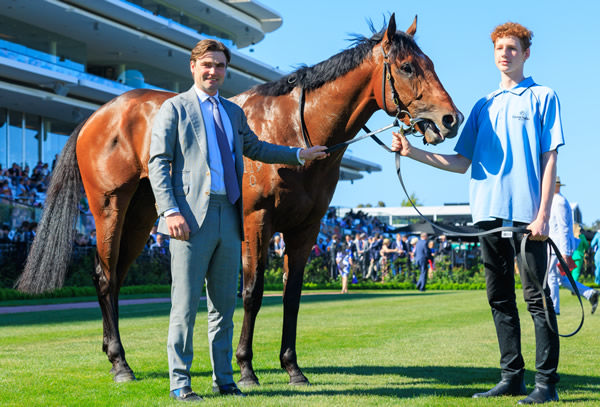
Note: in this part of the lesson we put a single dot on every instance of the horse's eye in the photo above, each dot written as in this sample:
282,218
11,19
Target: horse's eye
407,68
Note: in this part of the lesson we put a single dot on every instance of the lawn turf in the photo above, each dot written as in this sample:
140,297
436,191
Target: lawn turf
374,348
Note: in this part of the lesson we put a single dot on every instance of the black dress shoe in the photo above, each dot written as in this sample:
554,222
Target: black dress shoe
543,393
185,394
228,390
514,387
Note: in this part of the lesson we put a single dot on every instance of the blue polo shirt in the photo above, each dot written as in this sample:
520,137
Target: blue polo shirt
504,137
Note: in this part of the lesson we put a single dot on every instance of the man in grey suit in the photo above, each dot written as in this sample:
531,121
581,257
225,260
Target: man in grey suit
196,168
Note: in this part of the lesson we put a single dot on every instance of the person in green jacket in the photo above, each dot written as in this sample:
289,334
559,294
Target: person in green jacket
579,253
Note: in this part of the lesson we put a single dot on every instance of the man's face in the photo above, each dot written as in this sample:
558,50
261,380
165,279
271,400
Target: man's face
209,71
509,55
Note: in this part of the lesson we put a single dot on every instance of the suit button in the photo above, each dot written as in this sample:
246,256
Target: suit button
207,192
207,173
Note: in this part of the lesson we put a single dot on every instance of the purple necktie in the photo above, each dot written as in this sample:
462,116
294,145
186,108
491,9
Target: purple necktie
231,183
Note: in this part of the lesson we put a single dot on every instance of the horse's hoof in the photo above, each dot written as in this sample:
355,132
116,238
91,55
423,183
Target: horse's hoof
123,377
299,380
248,382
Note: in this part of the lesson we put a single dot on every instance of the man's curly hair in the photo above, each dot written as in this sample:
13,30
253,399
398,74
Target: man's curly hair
513,29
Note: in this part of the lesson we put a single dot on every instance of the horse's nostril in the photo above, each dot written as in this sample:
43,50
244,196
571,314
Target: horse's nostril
448,121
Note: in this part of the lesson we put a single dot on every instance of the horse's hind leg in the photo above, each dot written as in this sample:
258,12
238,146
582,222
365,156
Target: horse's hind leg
109,215
122,232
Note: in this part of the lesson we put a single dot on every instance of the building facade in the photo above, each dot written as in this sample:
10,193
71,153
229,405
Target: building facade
60,60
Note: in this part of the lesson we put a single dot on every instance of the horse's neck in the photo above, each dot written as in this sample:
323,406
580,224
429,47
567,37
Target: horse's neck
336,111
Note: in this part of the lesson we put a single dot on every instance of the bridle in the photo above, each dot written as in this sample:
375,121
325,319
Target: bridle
387,74
400,111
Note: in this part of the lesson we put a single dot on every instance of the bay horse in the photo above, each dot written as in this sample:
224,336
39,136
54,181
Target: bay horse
107,155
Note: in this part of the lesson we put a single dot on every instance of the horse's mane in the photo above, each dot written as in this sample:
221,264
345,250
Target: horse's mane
314,77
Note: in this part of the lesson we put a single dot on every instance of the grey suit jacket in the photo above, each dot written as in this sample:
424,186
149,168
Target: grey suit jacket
179,168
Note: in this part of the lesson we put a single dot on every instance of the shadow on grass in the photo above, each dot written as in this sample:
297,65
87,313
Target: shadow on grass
413,381
453,381
163,309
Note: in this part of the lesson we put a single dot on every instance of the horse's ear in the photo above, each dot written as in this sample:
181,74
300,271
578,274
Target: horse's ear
388,38
413,28
391,29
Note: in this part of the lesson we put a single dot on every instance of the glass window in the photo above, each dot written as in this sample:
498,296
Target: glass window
41,44
3,131
32,141
56,134
159,8
15,138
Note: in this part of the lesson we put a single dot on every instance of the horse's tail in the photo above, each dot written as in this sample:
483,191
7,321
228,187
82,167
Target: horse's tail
51,249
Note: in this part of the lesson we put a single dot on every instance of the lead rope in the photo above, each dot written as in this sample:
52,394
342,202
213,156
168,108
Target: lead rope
412,130
531,274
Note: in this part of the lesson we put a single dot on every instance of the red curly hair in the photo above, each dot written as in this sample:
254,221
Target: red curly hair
513,29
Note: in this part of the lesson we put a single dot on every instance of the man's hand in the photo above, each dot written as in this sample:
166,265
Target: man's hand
178,227
539,230
313,153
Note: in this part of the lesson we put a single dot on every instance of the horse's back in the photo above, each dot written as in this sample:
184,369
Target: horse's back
113,146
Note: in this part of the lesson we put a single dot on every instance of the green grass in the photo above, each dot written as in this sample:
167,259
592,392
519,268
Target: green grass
373,348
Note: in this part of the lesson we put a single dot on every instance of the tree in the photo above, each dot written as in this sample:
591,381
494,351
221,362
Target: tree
596,225
381,204
413,197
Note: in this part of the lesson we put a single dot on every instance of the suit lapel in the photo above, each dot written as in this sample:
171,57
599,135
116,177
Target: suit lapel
192,105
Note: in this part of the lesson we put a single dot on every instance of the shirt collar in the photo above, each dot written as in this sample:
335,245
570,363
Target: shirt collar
518,89
203,96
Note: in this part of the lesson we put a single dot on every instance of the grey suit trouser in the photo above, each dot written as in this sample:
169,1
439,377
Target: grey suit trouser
212,255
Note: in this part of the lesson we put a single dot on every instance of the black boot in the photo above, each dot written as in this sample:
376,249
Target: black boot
543,393
506,387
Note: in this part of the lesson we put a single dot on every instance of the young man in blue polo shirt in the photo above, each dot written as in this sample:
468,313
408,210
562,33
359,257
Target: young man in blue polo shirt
510,141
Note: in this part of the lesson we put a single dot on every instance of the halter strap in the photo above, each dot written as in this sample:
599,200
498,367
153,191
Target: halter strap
303,128
387,74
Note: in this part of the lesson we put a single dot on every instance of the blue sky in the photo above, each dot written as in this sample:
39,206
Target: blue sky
565,56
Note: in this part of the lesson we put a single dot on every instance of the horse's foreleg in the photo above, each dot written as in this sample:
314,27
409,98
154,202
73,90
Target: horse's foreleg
254,259
298,248
253,294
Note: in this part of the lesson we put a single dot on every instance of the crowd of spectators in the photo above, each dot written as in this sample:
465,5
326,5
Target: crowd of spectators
376,252
25,185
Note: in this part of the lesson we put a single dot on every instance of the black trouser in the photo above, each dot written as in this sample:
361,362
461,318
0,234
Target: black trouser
333,268
498,256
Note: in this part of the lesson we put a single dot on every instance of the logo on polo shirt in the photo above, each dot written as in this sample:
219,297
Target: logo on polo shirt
521,116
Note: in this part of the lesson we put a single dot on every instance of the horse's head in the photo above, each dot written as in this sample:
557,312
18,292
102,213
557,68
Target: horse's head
408,83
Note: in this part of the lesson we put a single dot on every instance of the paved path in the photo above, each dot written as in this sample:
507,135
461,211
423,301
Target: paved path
75,305
94,304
